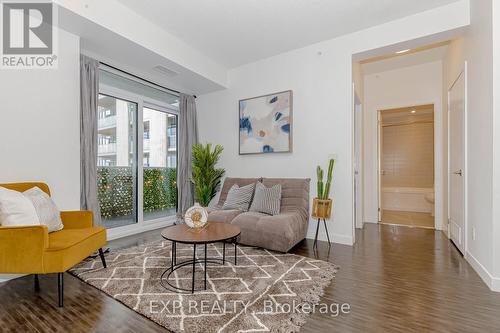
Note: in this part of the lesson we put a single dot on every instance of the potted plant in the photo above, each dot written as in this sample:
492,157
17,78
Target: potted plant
322,204
205,176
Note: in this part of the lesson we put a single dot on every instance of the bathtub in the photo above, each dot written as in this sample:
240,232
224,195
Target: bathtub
407,199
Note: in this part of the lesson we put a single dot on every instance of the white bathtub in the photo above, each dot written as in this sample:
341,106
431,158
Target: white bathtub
407,199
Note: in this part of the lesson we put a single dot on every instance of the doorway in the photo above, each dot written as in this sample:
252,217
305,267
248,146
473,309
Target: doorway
406,166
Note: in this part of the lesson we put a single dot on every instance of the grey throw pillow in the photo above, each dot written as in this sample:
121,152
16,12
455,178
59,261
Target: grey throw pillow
267,199
239,197
45,208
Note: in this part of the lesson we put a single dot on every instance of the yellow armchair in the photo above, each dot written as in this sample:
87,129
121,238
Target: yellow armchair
33,250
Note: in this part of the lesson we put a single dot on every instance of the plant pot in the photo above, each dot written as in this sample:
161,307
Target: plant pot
322,208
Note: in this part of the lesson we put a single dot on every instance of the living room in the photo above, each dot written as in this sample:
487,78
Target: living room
199,168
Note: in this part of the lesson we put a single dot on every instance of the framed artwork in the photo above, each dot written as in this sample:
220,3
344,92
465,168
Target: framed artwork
266,124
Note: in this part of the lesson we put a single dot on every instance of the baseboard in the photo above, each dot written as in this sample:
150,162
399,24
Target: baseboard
334,238
129,230
492,282
7,277
370,220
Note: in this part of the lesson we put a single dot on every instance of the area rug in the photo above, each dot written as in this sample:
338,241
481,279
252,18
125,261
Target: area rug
266,291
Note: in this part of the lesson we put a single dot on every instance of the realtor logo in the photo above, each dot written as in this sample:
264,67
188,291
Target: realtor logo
28,34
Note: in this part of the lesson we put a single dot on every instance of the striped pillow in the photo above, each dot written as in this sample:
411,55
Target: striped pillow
239,197
267,199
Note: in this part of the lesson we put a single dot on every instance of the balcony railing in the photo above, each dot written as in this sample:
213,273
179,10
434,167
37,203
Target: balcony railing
115,190
108,148
146,144
106,122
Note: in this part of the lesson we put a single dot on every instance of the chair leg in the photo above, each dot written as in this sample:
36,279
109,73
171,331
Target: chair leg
37,283
103,259
60,288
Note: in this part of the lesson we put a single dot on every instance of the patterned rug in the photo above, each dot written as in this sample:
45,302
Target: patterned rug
266,291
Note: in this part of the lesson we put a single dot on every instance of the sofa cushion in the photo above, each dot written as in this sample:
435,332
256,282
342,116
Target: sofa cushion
70,246
16,209
239,197
229,182
279,232
45,208
225,216
294,194
267,199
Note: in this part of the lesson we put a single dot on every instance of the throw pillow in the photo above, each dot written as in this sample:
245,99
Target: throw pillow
239,197
45,208
267,199
16,209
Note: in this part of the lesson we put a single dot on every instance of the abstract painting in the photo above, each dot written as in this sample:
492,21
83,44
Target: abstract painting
266,124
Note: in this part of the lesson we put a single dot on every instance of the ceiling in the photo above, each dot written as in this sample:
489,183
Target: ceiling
414,57
236,32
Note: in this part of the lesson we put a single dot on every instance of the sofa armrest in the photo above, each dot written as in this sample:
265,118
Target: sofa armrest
22,249
78,219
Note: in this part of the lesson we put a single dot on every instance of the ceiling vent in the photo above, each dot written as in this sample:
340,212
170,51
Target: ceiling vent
165,71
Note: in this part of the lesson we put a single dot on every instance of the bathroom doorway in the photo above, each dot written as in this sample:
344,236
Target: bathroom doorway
406,166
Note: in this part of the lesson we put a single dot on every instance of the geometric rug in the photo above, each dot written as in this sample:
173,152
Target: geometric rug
265,292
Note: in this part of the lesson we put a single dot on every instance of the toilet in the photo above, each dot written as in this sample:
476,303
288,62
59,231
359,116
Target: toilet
429,197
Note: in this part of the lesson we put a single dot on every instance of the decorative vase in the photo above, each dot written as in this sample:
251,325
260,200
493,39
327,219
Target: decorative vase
196,217
322,208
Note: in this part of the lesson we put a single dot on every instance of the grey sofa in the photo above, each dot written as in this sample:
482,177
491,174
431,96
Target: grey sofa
279,232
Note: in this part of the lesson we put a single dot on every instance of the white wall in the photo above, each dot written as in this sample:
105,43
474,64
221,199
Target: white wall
39,125
320,76
403,87
496,143
478,53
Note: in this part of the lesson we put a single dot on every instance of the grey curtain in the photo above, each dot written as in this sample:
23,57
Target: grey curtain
188,135
89,90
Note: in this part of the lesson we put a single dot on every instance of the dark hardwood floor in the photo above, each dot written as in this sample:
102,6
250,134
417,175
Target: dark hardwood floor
396,279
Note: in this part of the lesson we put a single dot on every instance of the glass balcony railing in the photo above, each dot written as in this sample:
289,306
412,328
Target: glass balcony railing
146,144
108,148
106,122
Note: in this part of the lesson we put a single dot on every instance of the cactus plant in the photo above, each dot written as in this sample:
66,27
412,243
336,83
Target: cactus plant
326,192
319,173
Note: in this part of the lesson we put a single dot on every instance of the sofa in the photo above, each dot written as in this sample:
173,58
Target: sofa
279,232
33,250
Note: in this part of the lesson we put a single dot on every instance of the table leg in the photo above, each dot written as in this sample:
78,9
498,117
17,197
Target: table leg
175,253
235,251
172,259
223,252
194,268
205,266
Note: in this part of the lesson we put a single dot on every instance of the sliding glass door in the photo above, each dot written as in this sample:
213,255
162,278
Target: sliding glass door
137,152
116,160
159,163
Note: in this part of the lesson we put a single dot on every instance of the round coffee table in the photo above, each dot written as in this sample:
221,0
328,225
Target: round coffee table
213,232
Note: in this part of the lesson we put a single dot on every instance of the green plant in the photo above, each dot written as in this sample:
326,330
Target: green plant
319,173
324,191
205,176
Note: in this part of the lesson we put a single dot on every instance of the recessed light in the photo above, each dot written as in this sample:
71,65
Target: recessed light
402,51
413,111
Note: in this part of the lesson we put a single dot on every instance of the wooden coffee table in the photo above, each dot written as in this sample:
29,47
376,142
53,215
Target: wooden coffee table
213,232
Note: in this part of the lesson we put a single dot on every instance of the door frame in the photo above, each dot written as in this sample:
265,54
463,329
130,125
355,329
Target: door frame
357,165
465,141
440,155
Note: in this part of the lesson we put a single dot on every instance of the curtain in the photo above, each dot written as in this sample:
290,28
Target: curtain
89,90
188,136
